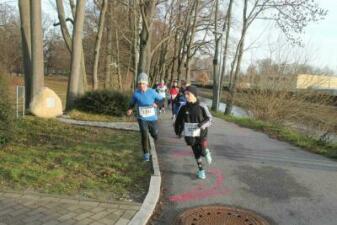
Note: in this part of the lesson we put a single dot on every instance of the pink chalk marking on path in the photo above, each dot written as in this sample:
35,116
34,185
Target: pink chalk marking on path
200,192
181,153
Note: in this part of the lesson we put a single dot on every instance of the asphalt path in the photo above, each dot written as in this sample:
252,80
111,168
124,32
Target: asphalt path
280,182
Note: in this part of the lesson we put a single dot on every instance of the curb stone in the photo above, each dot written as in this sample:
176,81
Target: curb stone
149,204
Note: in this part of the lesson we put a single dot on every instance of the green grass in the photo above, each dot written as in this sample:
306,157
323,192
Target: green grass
285,134
50,157
79,115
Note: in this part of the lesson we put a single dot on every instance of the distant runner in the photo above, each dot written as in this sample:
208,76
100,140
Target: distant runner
180,99
174,91
161,89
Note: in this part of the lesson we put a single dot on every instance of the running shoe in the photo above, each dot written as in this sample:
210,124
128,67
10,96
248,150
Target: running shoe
201,174
208,156
147,157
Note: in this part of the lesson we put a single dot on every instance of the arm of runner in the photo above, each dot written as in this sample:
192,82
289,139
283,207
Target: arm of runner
207,117
179,122
157,99
131,105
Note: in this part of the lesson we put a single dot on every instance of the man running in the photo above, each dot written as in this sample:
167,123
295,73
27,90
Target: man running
146,100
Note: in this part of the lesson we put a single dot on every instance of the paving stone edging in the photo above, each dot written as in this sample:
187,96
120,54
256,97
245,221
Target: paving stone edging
152,197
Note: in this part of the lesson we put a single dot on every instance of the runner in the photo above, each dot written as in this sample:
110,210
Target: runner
161,89
180,100
193,119
174,91
146,100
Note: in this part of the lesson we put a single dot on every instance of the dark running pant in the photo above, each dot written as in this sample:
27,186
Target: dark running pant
147,127
199,148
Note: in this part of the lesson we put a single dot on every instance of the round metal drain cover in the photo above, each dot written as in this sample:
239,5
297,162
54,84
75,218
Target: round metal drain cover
219,215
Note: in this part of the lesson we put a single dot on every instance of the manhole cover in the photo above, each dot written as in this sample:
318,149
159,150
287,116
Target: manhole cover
219,215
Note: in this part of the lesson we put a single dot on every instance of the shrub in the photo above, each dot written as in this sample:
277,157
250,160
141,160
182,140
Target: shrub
107,102
6,112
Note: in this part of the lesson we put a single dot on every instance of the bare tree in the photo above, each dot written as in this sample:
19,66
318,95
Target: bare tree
37,47
24,7
73,86
108,59
290,16
68,40
120,86
147,9
216,80
226,28
98,43
190,40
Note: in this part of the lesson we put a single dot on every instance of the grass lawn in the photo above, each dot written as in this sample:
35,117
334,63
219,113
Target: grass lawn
79,115
50,157
285,134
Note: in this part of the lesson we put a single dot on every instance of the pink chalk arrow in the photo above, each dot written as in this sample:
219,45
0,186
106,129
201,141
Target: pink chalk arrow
202,192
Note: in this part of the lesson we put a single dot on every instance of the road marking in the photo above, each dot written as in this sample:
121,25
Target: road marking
202,192
181,153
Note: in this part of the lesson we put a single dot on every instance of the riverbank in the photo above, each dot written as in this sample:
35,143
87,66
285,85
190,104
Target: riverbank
307,119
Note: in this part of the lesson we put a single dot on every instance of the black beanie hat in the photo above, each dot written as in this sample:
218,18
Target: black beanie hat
193,90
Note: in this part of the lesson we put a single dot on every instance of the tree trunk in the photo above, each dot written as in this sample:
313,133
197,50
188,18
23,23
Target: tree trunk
72,7
232,87
68,41
174,57
142,45
134,27
120,86
37,47
226,27
24,7
63,25
216,85
147,10
135,45
98,44
108,61
73,86
190,42
180,56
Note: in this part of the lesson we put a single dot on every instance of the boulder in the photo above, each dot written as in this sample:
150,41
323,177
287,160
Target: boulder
46,104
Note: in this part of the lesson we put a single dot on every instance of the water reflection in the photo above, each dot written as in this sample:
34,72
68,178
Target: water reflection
236,111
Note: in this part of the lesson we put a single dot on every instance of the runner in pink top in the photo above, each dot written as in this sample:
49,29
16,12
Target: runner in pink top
174,91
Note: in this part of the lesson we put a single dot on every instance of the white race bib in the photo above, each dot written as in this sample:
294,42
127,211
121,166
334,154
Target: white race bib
191,130
146,111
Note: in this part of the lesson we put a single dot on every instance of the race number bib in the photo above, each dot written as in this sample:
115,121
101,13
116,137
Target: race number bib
146,111
191,130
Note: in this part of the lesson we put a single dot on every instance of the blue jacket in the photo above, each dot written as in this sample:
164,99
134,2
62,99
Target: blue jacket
144,102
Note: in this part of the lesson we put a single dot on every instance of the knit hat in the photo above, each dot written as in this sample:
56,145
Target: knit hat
193,90
143,78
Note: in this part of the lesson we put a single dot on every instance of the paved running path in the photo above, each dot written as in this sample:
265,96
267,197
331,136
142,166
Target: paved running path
280,182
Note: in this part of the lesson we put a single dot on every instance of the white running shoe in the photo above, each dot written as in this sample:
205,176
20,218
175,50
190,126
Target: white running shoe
201,174
208,156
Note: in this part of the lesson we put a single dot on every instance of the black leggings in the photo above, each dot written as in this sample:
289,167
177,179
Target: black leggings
147,127
199,148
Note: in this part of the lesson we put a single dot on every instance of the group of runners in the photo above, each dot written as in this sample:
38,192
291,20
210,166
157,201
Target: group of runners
191,118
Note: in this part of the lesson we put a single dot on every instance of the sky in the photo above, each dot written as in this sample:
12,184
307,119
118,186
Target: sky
320,39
